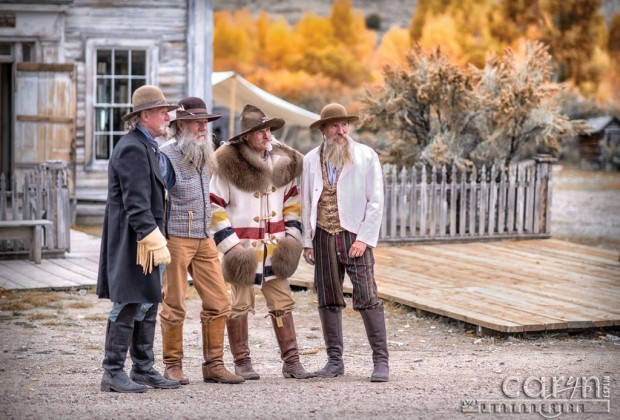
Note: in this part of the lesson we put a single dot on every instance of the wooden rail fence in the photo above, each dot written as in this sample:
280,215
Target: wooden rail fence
42,194
451,205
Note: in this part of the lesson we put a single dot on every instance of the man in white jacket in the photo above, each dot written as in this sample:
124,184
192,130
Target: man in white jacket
342,206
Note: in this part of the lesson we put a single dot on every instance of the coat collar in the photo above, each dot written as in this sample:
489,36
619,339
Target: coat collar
242,167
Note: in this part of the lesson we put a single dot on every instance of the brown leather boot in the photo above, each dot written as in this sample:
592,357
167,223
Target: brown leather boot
287,340
374,321
213,369
238,340
172,342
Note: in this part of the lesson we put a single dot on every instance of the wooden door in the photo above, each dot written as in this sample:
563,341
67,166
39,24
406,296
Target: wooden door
45,113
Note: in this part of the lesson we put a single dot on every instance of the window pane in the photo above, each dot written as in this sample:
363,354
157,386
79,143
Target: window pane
121,63
117,114
102,147
121,91
117,137
138,63
104,62
28,51
6,49
103,119
103,91
136,83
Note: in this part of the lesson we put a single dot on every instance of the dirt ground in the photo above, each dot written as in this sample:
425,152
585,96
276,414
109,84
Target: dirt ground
52,348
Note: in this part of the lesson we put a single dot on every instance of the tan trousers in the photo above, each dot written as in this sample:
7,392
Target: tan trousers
277,296
199,258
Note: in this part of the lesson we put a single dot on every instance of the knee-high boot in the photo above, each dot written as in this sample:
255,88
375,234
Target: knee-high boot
213,369
374,321
287,340
117,341
141,351
331,322
172,343
239,347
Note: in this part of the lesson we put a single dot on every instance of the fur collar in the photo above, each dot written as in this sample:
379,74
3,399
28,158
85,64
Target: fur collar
245,170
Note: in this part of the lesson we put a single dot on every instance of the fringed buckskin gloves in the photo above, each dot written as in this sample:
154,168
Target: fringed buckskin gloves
152,250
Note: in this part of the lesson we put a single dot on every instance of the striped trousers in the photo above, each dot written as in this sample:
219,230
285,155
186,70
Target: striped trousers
331,254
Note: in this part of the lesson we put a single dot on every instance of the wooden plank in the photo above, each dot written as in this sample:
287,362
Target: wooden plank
43,274
29,280
86,269
47,67
575,315
7,283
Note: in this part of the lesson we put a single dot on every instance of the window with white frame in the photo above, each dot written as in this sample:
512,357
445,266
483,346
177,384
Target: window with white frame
119,72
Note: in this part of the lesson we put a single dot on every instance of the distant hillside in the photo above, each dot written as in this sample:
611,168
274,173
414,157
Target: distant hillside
391,12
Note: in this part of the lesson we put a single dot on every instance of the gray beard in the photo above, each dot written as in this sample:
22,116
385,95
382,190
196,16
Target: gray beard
197,152
338,155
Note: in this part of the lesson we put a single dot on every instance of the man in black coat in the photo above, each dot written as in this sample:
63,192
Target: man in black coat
132,244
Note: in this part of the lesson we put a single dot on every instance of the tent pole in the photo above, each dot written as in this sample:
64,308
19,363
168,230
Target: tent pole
231,107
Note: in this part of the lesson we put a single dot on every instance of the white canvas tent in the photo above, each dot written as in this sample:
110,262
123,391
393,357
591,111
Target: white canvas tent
234,92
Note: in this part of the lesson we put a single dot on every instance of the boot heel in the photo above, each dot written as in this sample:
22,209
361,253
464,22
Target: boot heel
106,388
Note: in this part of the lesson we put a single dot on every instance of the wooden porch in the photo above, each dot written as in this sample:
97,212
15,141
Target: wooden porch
507,286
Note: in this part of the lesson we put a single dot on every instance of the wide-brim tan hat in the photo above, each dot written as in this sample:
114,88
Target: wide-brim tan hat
148,97
193,108
253,119
332,113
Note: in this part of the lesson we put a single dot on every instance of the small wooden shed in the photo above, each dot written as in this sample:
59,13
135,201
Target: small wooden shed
597,145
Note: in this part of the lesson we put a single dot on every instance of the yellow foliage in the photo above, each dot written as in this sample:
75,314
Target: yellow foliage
438,31
391,51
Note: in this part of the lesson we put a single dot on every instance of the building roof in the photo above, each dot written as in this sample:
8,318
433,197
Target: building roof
598,124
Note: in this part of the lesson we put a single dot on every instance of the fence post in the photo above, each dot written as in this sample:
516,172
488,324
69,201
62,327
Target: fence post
546,183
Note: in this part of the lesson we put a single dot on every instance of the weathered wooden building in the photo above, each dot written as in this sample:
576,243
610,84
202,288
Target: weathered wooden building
68,69
600,145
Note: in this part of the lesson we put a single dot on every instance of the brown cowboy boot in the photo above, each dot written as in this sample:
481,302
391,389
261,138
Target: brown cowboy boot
172,342
238,340
287,340
331,321
374,321
213,369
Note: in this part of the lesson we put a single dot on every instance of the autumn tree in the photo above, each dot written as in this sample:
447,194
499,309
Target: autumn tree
437,113
319,56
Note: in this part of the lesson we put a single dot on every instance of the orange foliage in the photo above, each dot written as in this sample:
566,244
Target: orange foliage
337,56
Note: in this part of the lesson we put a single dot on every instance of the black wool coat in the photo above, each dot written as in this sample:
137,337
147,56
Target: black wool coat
134,208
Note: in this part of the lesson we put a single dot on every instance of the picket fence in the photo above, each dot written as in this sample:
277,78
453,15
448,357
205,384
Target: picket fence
483,204
42,193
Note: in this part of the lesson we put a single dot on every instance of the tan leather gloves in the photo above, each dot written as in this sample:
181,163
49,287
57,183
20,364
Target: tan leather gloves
152,250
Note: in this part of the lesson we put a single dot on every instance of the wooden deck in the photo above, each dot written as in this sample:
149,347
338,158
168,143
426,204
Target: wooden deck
508,286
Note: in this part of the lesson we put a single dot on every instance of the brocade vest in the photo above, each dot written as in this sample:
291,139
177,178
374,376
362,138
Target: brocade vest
327,209
190,206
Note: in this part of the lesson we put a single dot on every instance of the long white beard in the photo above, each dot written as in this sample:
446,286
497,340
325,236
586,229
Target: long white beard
197,151
337,154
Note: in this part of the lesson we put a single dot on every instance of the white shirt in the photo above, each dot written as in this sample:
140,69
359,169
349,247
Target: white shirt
359,194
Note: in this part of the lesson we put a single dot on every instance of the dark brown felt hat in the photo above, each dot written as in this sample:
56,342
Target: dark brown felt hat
253,119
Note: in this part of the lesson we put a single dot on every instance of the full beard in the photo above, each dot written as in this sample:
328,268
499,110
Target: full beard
197,151
337,152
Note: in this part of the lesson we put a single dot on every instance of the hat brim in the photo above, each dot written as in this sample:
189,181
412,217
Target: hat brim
274,124
197,116
171,107
317,124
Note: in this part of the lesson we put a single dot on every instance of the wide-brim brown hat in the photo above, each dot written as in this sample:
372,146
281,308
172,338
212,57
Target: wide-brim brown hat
148,97
193,108
332,113
253,119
